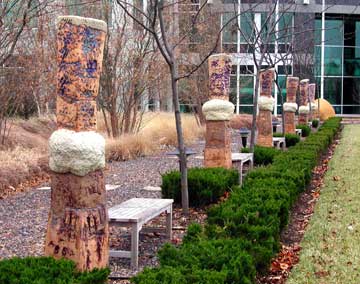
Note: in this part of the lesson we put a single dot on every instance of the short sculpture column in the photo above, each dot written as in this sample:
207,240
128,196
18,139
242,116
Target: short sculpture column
78,224
312,105
290,107
266,106
218,112
304,97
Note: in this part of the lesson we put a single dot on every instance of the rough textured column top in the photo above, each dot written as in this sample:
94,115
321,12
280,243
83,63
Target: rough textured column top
304,92
312,91
266,82
292,84
80,51
219,76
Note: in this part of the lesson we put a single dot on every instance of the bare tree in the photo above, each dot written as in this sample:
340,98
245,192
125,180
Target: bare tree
130,68
161,21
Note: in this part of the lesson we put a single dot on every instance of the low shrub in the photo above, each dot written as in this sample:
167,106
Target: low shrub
39,270
306,130
242,233
315,123
263,155
206,185
290,139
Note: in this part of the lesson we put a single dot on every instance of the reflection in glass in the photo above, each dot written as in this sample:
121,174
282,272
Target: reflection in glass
332,90
333,61
352,61
246,89
334,32
246,109
351,91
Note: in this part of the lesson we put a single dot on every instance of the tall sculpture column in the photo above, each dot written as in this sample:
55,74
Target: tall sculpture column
290,107
78,223
313,106
218,112
266,106
304,97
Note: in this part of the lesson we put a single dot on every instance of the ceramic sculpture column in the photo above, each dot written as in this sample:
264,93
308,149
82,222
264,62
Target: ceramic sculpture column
290,107
304,98
78,223
266,106
312,105
218,112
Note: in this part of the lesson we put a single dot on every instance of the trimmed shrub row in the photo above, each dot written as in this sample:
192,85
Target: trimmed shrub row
315,123
206,185
290,139
242,233
263,155
46,270
306,130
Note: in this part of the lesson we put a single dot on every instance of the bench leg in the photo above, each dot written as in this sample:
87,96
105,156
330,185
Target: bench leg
135,246
241,173
169,223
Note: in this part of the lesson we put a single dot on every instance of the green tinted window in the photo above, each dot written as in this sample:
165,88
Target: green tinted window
318,32
334,34
267,29
332,90
247,24
285,27
333,61
229,34
246,89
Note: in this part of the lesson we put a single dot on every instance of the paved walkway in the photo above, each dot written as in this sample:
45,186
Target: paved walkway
331,245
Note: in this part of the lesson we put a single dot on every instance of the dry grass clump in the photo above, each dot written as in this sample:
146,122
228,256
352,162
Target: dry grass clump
19,164
158,129
24,154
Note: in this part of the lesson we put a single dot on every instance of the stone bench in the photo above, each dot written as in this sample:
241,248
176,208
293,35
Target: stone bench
298,131
279,142
239,159
135,213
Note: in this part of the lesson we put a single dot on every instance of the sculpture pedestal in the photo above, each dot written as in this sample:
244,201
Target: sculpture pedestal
264,126
303,118
78,224
218,144
289,122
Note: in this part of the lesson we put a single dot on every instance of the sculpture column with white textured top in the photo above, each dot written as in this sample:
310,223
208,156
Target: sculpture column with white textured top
290,107
78,222
304,98
266,106
218,112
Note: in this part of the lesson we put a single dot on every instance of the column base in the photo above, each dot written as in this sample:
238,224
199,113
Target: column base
265,131
289,122
218,144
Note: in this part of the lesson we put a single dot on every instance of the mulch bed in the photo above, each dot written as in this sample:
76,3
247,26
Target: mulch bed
299,219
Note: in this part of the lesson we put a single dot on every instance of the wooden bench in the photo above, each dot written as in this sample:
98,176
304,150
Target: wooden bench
239,159
279,142
135,213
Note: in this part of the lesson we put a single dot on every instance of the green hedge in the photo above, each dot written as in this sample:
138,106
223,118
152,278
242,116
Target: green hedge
242,233
206,185
315,123
306,130
47,270
290,139
263,155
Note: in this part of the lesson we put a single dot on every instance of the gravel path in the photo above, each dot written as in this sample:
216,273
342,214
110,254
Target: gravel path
24,216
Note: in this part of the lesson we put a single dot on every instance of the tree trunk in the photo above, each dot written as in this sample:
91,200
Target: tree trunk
253,126
114,120
181,145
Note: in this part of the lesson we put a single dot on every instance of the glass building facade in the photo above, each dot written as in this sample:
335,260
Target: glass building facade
341,61
336,72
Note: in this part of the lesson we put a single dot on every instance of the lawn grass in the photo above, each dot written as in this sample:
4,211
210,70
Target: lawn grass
331,245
